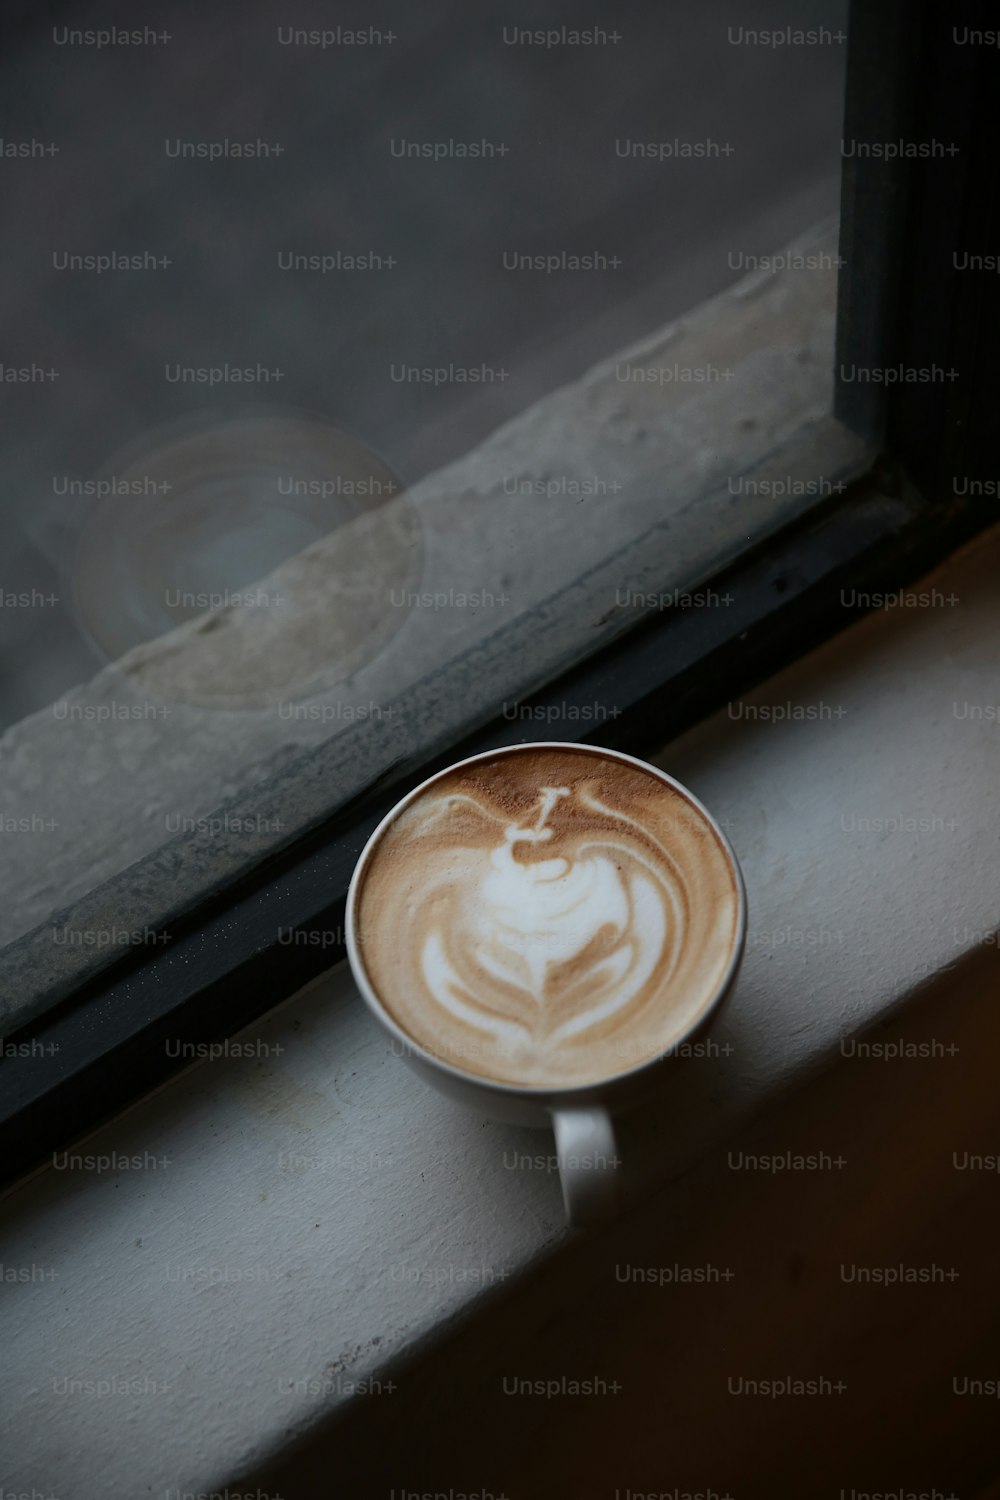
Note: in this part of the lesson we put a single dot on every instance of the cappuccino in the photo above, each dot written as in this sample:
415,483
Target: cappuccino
548,917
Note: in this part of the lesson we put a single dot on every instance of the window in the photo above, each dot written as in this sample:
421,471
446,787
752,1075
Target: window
409,380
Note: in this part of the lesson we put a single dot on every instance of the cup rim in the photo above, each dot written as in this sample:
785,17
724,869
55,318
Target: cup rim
579,1092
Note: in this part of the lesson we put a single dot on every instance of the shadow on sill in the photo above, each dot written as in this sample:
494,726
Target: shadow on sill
873,1279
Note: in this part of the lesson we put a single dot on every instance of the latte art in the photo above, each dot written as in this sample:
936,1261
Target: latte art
548,917
535,951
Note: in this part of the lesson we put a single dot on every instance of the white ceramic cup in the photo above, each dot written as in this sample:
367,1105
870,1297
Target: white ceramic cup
589,1163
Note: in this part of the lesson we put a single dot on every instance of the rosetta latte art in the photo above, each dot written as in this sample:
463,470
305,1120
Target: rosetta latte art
547,931
508,954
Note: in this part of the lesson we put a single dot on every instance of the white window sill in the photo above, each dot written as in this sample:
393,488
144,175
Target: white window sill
413,1211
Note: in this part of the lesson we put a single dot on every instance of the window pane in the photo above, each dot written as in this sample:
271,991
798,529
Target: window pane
362,374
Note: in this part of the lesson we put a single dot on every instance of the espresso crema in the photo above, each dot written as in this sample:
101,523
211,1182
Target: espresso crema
547,917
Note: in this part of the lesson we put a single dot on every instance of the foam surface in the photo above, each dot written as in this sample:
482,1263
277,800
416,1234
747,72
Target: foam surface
548,917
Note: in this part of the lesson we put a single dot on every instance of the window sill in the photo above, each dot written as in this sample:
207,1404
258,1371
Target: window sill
350,1214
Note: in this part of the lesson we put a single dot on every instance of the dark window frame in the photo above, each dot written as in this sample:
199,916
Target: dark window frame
902,303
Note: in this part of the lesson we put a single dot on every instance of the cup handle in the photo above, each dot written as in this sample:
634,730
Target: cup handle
589,1165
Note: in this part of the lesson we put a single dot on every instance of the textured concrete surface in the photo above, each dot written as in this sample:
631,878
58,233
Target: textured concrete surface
359,1214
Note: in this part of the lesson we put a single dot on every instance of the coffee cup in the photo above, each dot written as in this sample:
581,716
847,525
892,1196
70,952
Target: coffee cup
540,929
